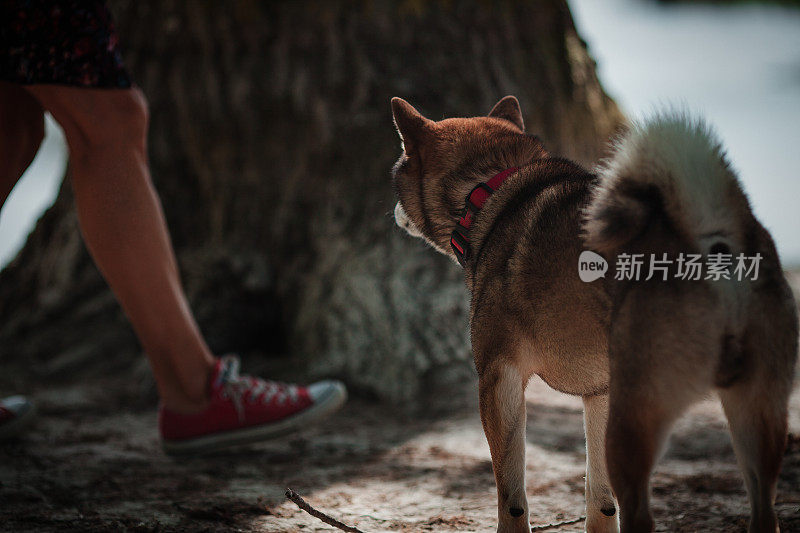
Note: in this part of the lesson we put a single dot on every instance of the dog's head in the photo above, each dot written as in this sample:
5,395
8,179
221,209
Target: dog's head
442,161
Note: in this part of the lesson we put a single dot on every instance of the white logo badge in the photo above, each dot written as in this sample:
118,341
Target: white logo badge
591,266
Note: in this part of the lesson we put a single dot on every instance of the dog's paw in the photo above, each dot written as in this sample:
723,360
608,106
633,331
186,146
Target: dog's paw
520,526
514,520
602,522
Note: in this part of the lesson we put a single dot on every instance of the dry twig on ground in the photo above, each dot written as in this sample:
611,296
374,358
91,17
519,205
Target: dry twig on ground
301,503
554,525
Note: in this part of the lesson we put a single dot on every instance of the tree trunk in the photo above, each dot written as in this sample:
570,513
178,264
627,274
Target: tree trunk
271,143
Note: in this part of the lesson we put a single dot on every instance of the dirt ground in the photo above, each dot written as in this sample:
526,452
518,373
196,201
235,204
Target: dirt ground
91,464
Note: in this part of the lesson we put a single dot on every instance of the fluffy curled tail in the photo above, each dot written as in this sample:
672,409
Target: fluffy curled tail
671,166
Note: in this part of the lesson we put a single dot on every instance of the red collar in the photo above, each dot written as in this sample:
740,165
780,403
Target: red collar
459,239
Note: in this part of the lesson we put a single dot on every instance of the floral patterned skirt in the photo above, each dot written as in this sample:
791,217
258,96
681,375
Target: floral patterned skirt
65,42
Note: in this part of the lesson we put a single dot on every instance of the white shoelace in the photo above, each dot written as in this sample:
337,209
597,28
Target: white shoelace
237,387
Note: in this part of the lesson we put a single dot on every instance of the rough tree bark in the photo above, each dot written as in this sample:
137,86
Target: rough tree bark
271,144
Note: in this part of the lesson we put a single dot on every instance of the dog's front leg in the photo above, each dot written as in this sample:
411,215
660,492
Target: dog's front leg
601,511
502,404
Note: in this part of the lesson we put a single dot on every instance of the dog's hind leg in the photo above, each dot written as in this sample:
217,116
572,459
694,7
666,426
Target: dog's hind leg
637,427
756,411
756,403
661,360
645,399
502,405
601,511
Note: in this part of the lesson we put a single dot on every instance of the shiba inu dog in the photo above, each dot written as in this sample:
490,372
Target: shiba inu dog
638,352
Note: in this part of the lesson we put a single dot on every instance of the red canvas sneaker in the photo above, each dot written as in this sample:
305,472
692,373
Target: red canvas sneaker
245,410
16,412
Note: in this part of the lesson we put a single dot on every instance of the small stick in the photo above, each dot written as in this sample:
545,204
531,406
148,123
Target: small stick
301,503
554,525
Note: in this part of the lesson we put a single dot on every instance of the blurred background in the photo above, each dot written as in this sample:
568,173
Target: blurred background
271,144
271,152
736,63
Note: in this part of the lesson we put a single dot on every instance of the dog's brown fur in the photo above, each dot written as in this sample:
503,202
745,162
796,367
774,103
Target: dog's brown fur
531,314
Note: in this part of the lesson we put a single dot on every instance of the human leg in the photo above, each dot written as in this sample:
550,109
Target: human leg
124,228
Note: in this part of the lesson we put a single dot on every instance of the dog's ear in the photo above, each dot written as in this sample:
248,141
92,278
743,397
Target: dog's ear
508,109
411,125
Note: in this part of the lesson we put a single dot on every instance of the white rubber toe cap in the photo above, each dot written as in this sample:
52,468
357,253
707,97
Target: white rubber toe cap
23,412
19,405
323,391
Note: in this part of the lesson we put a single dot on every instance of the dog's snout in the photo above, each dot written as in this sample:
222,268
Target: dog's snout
400,216
402,220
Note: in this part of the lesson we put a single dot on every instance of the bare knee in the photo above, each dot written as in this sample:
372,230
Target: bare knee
118,123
